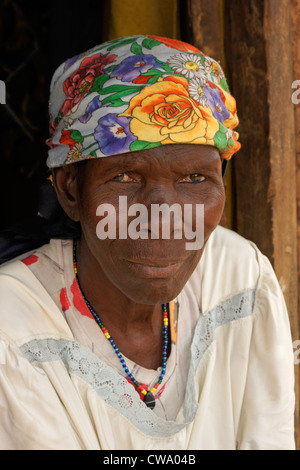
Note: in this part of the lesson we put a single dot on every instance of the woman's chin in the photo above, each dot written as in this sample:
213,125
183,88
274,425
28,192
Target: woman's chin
154,292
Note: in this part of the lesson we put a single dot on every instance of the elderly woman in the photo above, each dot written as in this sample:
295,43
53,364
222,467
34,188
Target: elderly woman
123,338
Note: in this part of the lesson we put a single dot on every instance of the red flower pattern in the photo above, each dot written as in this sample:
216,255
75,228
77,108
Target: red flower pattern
78,85
64,301
79,301
174,43
66,139
31,259
142,79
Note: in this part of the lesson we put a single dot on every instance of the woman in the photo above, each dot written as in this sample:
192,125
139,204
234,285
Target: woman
124,338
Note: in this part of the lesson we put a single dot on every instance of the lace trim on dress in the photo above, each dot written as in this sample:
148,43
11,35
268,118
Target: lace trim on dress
116,391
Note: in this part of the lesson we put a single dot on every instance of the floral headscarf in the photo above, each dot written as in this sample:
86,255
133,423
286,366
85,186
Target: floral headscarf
137,93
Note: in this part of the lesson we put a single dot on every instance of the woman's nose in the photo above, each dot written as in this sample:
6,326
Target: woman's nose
164,212
159,193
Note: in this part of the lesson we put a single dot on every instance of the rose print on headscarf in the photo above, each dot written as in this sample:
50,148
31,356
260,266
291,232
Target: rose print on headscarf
164,112
79,84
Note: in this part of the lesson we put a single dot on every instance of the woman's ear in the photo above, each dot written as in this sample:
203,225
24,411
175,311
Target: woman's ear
66,187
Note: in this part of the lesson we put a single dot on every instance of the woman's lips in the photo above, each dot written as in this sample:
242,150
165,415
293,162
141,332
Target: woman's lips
154,268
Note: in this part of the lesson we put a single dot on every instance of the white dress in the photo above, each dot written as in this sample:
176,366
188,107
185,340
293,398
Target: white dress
229,382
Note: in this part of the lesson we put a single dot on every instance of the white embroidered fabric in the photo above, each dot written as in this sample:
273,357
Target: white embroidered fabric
116,391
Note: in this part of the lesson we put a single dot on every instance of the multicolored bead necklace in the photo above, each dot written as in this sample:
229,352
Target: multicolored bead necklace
149,398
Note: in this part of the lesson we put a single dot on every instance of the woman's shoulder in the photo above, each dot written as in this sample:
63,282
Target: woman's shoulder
230,266
26,308
231,259
231,241
238,257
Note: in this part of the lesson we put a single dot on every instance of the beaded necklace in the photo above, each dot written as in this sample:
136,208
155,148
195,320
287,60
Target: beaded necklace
149,398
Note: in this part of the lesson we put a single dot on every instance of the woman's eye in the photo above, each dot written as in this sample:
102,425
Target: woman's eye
194,178
122,178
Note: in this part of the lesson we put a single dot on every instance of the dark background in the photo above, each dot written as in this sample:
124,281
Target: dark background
35,38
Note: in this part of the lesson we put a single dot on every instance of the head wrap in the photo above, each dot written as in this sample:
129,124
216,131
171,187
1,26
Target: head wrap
137,93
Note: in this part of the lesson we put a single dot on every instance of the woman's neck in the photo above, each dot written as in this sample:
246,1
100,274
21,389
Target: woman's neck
136,328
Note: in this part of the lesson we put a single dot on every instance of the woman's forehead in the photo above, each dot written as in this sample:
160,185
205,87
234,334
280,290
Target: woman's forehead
183,157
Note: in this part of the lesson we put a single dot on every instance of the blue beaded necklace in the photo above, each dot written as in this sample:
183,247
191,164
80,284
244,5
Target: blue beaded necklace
149,398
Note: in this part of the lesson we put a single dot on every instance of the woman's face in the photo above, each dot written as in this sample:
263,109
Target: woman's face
149,270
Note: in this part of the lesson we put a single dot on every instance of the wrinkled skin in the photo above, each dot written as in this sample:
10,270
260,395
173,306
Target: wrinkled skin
127,280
